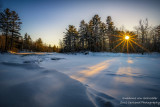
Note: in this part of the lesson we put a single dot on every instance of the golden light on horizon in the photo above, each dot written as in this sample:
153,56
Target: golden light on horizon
126,37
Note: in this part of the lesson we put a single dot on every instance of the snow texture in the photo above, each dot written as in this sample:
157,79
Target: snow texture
67,80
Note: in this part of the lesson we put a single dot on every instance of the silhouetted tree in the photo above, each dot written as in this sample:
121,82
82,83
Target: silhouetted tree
96,32
15,27
142,30
155,38
103,39
5,25
39,44
70,39
83,35
110,32
27,42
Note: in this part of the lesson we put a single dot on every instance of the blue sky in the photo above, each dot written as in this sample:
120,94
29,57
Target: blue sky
48,19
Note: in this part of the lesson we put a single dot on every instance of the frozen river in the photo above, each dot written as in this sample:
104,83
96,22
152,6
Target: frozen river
102,79
119,76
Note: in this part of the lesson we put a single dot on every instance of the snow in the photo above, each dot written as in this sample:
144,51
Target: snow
28,85
96,79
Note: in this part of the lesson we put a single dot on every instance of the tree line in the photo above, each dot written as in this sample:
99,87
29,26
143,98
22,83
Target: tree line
97,36
11,39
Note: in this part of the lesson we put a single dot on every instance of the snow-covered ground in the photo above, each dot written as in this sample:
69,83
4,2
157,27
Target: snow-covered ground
65,80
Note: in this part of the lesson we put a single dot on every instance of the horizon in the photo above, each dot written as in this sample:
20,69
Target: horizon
48,19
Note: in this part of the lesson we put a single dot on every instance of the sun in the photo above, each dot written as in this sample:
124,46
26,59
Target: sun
127,41
127,37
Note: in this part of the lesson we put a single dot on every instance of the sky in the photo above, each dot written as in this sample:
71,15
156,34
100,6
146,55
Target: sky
48,19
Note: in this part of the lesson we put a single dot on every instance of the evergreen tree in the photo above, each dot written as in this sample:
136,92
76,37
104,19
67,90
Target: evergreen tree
54,48
70,39
15,27
90,35
103,39
110,32
39,45
83,34
5,24
27,42
96,32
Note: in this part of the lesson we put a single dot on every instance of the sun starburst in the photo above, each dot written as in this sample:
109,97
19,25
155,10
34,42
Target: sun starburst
127,37
127,41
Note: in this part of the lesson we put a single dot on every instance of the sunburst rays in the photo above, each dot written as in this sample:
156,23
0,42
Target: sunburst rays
127,40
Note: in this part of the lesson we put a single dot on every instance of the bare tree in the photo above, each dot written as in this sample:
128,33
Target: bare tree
142,30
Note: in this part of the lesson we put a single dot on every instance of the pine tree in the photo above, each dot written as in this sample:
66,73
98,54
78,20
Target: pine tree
39,45
27,42
90,35
15,27
5,24
110,32
70,39
103,30
96,32
83,34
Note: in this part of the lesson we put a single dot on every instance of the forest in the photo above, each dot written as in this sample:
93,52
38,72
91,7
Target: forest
94,36
98,36
11,39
